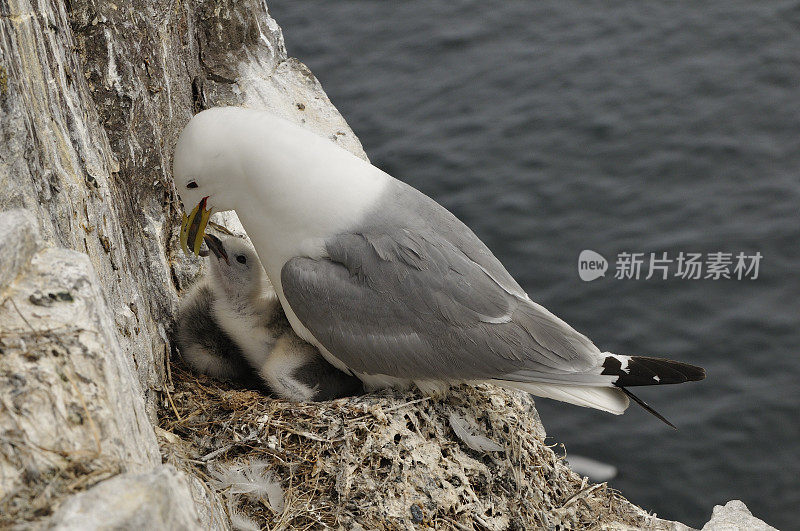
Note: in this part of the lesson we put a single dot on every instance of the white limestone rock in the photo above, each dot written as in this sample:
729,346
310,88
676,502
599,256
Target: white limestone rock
735,516
19,239
159,499
72,404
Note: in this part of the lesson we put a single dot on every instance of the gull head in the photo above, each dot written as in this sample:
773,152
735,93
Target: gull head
236,272
288,185
206,170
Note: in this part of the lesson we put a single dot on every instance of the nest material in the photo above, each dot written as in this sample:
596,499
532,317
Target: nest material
389,460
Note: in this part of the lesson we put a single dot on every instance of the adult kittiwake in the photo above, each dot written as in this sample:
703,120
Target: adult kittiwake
387,283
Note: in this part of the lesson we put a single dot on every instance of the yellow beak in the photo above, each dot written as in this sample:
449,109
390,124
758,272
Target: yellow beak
193,227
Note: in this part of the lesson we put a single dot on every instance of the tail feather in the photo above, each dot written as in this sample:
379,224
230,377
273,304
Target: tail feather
643,370
607,399
604,387
647,408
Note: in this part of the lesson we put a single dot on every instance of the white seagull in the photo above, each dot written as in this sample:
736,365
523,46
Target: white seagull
387,283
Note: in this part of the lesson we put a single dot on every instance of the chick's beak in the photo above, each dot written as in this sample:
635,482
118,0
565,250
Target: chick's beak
193,227
216,247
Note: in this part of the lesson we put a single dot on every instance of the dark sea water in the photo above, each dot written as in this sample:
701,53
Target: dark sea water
553,127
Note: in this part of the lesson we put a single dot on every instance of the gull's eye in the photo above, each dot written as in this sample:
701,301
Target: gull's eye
242,259
191,184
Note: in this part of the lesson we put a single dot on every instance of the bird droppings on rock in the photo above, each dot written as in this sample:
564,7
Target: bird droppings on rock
387,460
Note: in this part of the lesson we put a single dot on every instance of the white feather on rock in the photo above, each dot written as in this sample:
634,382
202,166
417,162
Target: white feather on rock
465,431
240,522
254,480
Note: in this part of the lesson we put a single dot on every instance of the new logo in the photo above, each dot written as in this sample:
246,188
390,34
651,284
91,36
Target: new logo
591,265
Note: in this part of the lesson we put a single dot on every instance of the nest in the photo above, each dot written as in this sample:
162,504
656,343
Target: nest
388,460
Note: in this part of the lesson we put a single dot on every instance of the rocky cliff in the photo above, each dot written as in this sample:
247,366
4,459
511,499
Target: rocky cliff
97,425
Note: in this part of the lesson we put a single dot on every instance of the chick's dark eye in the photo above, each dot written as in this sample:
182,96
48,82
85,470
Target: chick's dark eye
191,184
242,259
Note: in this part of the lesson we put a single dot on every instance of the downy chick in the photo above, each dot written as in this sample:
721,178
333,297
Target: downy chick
204,345
244,306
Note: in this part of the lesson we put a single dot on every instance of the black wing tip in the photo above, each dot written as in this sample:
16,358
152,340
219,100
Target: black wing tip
644,370
698,373
649,409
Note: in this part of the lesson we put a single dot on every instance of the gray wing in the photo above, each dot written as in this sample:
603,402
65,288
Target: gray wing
411,303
